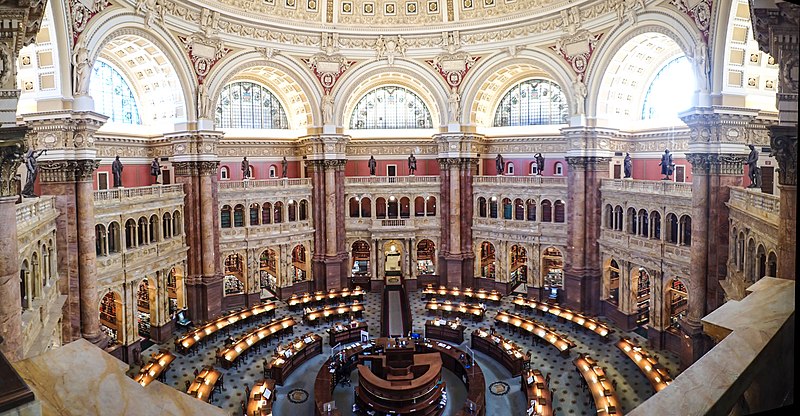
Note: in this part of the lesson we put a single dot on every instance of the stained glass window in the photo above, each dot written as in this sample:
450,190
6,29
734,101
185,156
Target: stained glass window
532,102
112,95
671,90
391,107
247,105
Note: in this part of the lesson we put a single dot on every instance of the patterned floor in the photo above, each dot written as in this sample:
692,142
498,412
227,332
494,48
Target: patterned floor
569,396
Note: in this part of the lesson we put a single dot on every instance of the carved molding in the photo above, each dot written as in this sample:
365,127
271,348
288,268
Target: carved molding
54,171
453,66
584,162
577,50
195,168
328,69
79,14
204,52
698,11
716,163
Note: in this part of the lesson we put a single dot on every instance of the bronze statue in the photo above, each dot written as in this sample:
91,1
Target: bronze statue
155,169
412,164
499,163
33,172
753,171
372,164
245,168
539,164
666,165
285,167
628,165
116,172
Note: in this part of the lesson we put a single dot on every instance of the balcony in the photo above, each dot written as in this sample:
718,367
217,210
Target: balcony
268,231
123,196
144,259
32,212
391,180
281,183
666,188
755,203
527,181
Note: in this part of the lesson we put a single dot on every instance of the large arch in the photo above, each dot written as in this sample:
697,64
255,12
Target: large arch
286,78
603,68
484,86
117,24
422,81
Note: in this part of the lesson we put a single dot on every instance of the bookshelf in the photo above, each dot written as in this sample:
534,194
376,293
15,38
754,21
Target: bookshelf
642,298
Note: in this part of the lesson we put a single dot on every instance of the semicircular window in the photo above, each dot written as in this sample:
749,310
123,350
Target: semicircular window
112,94
532,102
247,105
671,90
391,107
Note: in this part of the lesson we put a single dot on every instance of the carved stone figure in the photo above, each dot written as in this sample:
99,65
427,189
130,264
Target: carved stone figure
539,164
666,165
628,165
372,164
499,163
155,169
33,172
81,69
580,97
453,102
245,168
116,172
203,102
412,164
285,168
702,66
327,109
753,171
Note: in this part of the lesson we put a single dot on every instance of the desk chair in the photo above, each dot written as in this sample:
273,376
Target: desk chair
182,319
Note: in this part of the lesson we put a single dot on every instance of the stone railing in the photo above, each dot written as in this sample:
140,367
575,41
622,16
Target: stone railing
264,183
533,180
755,202
32,211
144,258
621,242
391,223
668,188
379,180
131,195
266,231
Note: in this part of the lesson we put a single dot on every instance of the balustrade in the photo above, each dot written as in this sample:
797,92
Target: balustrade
120,195
374,180
31,211
264,183
754,201
533,180
682,189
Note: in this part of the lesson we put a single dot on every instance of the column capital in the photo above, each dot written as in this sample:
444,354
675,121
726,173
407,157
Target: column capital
68,170
65,134
195,145
717,163
585,141
459,145
783,142
324,146
12,150
196,168
587,162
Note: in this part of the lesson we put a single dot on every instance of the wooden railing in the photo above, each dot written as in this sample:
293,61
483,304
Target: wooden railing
648,187
372,180
121,194
264,183
532,180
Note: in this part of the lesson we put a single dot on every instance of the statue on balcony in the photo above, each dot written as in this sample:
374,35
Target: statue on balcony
628,165
372,164
412,164
285,168
539,163
753,171
33,171
116,172
499,163
155,169
666,165
245,168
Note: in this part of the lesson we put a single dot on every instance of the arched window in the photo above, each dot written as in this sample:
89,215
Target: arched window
761,262
547,211
632,221
166,225
225,217
303,210
686,230
238,216
655,225
519,210
142,231
772,264
430,206
278,212
113,238
419,207
493,207
224,173
507,208
559,168
426,254
671,90
177,224
153,230
672,228
609,217
643,224
531,207
291,210
558,215
366,208
272,171
618,218
254,217
100,240
391,107
392,208
380,208
247,105
482,207
354,206
130,233
532,102
510,168
266,213
112,95
534,168
405,207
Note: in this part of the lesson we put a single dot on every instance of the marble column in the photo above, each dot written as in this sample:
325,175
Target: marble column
11,153
87,256
582,272
783,141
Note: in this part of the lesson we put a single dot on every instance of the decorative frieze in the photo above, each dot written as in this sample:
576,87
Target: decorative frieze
587,162
716,163
783,145
53,171
195,168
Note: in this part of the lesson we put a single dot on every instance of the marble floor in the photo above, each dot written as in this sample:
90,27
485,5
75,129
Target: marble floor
295,397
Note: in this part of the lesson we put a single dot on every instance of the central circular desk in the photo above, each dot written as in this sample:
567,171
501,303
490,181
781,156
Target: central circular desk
401,376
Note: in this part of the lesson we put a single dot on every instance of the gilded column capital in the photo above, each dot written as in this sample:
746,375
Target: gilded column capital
12,150
783,142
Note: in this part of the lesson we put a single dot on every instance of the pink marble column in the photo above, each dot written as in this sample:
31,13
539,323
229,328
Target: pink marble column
783,141
87,257
10,296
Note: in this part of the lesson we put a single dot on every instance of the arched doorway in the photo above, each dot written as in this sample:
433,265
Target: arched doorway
772,264
519,266
426,253
299,265
175,296
612,283
143,309
233,282
110,319
488,260
392,265
640,285
23,285
761,262
267,273
360,256
552,271
677,302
